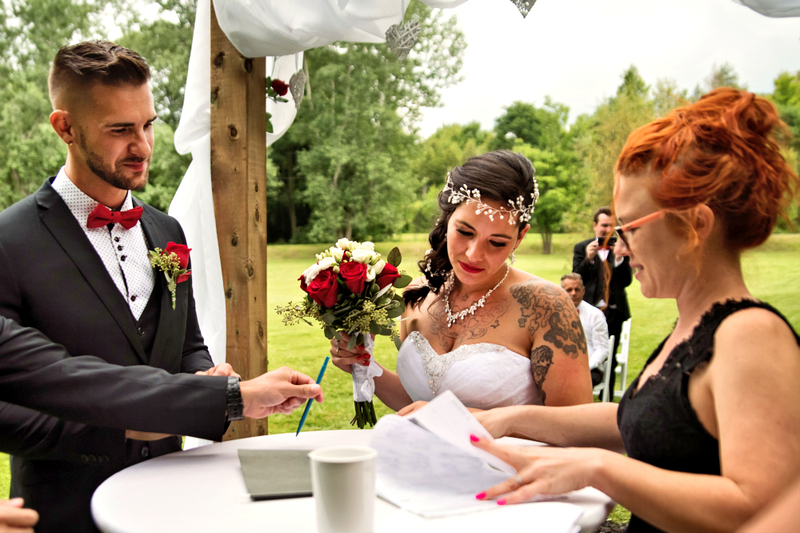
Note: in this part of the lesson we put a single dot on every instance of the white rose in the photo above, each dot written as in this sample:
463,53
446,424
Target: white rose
362,256
338,254
312,271
379,266
371,273
366,245
343,244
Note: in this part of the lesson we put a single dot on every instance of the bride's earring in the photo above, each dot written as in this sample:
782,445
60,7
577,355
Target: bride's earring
513,258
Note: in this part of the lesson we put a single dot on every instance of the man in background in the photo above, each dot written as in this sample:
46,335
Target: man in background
605,276
594,325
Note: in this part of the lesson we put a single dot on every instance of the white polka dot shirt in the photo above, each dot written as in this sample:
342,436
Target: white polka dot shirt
123,252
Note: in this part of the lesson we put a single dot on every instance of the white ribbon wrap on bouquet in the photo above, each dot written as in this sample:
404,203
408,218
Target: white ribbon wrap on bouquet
364,376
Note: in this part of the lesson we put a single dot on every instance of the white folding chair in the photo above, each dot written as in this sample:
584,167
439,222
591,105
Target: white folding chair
602,389
622,359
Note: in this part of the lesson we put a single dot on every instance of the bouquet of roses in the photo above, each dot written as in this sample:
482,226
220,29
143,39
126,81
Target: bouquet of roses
350,288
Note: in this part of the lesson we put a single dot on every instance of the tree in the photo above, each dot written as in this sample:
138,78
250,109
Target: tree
346,161
667,96
560,190
722,76
601,136
539,127
446,148
165,44
786,96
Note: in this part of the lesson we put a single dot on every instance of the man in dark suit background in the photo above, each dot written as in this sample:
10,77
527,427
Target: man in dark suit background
74,265
604,276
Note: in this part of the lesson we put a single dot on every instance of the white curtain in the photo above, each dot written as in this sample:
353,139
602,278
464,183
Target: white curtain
773,8
277,27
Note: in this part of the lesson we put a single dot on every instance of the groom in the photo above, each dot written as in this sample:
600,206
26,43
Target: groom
74,265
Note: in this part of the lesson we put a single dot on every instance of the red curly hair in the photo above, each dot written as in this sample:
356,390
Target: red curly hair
721,152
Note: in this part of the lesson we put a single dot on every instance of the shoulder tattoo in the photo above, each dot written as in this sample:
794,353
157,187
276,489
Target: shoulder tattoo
544,307
541,360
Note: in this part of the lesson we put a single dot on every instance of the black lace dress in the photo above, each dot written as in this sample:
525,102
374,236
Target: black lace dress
658,424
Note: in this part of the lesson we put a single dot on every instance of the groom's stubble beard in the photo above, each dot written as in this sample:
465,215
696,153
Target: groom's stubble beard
114,177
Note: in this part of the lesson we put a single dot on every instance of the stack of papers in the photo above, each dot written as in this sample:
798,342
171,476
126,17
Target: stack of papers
427,466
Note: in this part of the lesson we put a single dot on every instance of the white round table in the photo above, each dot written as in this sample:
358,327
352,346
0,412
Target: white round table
203,490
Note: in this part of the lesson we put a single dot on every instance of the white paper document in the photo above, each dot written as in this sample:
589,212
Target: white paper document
426,464
540,517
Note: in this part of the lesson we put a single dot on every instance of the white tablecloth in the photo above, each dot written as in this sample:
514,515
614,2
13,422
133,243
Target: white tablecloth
202,490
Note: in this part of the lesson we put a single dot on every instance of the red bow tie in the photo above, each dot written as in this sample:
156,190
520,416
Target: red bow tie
102,216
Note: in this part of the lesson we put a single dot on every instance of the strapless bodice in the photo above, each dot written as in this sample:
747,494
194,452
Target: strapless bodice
481,375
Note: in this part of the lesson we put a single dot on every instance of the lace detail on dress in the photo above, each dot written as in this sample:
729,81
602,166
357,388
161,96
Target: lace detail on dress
436,365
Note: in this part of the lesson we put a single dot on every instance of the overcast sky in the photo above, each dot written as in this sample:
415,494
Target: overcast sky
576,50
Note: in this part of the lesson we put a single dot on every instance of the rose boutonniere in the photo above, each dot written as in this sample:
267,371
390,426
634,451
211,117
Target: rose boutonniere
173,262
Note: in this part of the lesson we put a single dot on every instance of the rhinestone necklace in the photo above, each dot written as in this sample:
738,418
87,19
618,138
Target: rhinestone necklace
452,318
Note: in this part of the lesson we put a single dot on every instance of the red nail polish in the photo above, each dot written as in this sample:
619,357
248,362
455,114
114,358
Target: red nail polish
473,438
480,496
501,502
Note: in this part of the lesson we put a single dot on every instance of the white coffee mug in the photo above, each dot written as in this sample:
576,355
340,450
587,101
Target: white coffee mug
343,481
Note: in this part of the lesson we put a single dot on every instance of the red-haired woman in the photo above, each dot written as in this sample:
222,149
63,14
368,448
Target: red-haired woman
711,426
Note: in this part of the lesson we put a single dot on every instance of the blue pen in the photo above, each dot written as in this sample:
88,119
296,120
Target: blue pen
308,404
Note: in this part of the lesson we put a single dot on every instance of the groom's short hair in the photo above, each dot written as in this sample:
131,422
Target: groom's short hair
76,67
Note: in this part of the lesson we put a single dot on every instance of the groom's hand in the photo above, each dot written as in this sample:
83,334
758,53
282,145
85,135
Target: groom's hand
279,391
222,369
15,519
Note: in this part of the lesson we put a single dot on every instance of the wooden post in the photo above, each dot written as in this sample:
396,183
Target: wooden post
239,184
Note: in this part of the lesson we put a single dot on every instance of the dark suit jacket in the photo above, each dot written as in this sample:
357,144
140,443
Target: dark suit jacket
593,275
52,279
36,373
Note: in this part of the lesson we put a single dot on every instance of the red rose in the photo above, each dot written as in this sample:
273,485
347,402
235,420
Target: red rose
181,251
322,289
354,275
279,87
387,275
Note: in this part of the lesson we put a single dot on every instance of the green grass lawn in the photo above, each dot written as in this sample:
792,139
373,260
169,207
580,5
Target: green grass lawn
771,272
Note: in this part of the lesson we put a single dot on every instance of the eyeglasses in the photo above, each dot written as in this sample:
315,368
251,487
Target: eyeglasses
621,230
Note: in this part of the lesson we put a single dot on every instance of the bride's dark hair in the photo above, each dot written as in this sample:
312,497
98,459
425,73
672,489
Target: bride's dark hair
499,176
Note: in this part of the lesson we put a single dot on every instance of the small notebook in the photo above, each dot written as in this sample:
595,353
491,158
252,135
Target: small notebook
274,474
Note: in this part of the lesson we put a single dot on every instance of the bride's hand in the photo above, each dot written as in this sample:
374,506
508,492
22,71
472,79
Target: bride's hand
345,359
496,421
410,408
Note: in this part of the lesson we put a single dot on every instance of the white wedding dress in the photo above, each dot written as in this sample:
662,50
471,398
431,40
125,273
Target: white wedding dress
482,375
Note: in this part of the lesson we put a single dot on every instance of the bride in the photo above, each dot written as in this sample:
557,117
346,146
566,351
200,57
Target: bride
493,335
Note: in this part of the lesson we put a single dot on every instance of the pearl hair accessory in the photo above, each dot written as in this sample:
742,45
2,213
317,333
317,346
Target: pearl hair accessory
452,318
516,208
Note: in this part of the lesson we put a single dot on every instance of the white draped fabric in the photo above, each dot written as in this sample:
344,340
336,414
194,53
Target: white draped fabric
277,27
773,8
